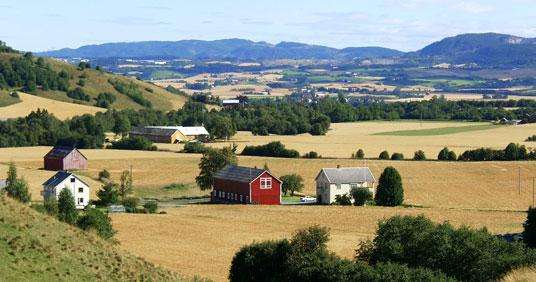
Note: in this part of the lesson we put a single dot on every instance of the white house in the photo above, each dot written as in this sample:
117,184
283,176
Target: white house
331,182
67,180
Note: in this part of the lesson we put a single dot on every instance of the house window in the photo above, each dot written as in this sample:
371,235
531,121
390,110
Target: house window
80,189
80,200
241,199
266,183
353,186
73,179
236,197
338,186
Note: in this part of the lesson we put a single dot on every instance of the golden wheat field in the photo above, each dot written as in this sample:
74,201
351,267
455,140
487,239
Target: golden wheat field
29,103
343,139
203,238
467,185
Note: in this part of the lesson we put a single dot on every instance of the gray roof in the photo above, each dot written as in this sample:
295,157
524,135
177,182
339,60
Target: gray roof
239,173
348,175
59,152
154,131
59,177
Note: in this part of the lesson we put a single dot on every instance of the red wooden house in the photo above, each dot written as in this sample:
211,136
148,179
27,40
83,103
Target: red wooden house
65,158
244,185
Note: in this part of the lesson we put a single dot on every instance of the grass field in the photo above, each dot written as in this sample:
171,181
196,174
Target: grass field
439,131
29,103
6,99
203,238
35,247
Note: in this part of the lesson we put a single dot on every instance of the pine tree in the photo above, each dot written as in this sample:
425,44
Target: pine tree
529,228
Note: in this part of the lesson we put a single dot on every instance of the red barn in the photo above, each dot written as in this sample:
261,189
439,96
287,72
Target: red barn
244,185
65,158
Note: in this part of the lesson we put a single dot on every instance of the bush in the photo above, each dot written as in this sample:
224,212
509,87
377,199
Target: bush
78,94
194,148
446,155
312,155
397,156
464,253
384,155
130,204
151,206
134,143
51,206
360,154
419,156
131,90
361,195
66,207
109,194
531,138
96,220
105,100
529,228
104,175
272,149
343,200
390,191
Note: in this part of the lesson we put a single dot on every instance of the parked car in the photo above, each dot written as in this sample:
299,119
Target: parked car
308,199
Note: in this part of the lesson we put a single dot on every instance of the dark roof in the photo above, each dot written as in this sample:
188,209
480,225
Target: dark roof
239,173
345,175
60,152
59,177
153,131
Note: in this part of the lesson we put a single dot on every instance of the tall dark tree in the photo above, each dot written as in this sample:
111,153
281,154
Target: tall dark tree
212,161
66,207
389,192
529,228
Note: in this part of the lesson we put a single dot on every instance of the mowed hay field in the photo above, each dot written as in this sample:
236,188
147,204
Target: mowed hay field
29,103
202,239
373,137
467,185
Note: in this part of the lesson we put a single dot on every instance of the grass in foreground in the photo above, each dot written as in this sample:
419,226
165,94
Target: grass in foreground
6,99
439,131
36,247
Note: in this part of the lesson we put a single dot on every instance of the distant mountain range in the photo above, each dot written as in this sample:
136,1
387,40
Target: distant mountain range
235,49
485,49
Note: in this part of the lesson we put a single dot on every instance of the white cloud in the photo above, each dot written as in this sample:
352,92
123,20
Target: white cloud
473,7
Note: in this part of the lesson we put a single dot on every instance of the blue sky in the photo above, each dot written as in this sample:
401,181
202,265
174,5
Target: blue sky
401,24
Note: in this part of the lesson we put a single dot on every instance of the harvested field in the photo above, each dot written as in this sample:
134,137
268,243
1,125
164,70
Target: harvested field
29,103
201,238
468,185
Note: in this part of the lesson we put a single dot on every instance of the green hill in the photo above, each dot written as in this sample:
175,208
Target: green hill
57,80
36,247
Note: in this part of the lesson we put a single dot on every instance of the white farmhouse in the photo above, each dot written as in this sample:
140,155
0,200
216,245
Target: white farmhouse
331,182
67,180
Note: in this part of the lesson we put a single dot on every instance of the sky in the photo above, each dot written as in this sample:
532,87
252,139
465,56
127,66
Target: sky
405,25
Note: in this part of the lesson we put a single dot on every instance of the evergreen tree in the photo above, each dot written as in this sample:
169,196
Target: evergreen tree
109,194
390,191
66,207
529,228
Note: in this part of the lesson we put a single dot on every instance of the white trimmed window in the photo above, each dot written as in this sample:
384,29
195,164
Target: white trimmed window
266,183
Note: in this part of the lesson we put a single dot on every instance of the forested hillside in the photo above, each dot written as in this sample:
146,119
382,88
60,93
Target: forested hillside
82,85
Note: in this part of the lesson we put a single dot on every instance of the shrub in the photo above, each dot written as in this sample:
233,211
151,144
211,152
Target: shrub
151,206
464,253
312,155
104,175
18,191
51,206
529,228
360,154
194,148
109,194
134,143
78,94
397,156
451,156
105,100
96,220
272,149
131,90
419,156
66,207
343,200
446,155
390,191
531,138
384,155
292,183
361,195
130,203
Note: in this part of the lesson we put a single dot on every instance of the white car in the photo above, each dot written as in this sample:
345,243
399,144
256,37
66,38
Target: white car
308,199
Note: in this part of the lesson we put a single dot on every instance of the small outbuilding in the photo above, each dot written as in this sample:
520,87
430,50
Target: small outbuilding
67,180
331,182
245,185
65,158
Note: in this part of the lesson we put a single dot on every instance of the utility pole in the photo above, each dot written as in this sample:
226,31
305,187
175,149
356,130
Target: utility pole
519,180
533,180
